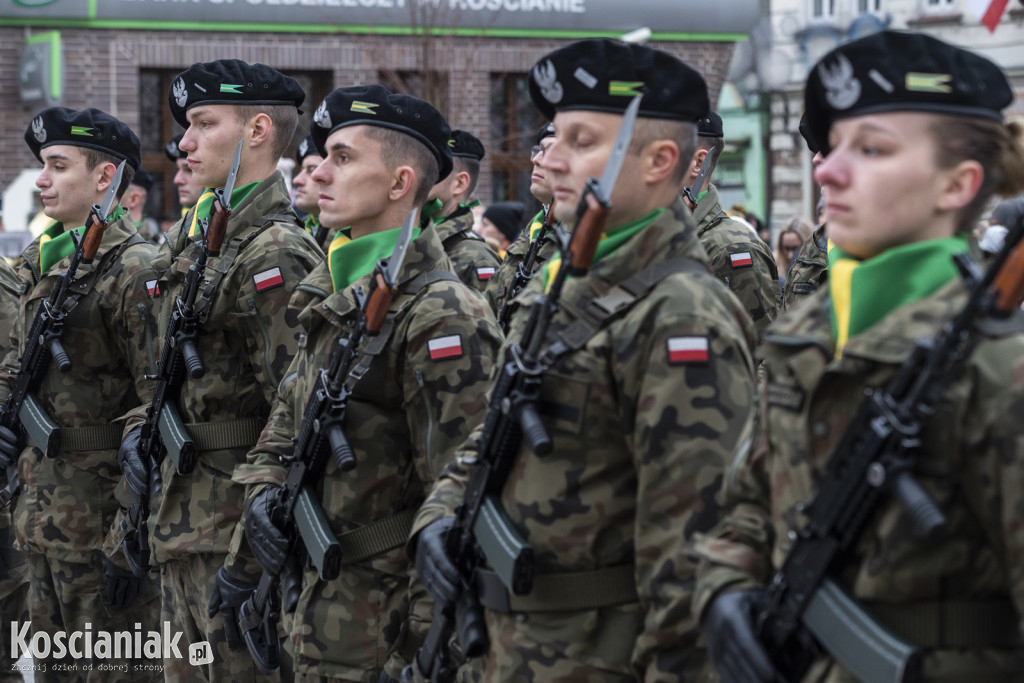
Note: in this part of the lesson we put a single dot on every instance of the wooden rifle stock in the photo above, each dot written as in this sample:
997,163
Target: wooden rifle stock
93,235
218,225
587,234
1009,283
378,305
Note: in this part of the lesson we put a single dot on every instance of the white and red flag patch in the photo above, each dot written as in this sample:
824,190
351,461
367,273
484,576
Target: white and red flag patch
445,347
741,259
687,350
153,288
485,273
268,279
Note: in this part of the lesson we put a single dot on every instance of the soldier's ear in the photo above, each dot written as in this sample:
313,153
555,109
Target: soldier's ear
259,128
660,159
105,175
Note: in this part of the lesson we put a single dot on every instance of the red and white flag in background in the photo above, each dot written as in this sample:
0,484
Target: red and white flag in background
988,12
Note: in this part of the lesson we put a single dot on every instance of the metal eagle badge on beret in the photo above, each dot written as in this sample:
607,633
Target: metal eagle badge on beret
601,74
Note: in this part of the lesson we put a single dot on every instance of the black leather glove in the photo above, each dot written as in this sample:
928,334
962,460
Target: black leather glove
9,449
436,570
120,586
268,543
228,595
385,678
735,651
135,469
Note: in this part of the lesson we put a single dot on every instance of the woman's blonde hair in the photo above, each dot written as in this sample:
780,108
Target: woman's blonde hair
798,226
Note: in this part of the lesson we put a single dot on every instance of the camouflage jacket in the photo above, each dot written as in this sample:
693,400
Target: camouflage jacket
641,436
472,260
971,463
515,255
809,269
247,339
416,404
740,259
67,502
10,289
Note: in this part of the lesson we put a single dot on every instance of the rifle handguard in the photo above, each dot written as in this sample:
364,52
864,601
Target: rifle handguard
93,236
218,223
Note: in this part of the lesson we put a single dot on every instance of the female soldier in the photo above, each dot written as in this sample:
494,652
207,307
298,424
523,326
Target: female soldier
915,146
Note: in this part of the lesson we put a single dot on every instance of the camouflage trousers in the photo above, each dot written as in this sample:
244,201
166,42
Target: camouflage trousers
187,585
68,596
13,608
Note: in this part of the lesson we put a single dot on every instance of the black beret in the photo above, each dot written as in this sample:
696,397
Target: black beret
601,74
143,179
172,150
305,148
90,128
508,217
546,131
375,105
805,132
710,126
231,81
895,71
465,144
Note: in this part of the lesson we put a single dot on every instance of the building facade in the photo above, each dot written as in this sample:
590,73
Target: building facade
471,63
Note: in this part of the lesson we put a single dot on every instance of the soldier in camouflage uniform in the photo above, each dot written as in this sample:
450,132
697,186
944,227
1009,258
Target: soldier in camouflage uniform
472,259
306,191
67,498
737,255
421,395
809,270
13,570
540,188
643,417
187,188
929,158
246,340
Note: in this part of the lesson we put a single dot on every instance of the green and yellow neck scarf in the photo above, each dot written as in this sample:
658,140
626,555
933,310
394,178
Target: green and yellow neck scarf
56,243
610,242
350,259
864,292
204,207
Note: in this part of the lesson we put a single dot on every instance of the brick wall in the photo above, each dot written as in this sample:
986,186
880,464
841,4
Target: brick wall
102,69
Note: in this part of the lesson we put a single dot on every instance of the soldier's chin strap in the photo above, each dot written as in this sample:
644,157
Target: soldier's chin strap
689,192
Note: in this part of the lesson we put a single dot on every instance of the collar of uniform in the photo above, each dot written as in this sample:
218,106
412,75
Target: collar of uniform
425,253
119,230
709,207
458,221
270,196
670,235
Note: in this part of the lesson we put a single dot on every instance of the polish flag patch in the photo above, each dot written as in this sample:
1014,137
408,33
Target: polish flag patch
687,350
485,273
741,259
268,279
445,347
153,288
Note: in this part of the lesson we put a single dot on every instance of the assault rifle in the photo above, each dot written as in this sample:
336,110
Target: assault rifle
22,413
320,434
164,431
803,606
481,528
525,270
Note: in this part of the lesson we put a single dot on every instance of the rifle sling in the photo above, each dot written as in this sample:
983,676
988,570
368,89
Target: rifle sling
951,624
215,436
377,537
591,317
561,592
377,343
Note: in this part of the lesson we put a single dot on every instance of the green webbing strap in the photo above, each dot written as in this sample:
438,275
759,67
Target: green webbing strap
215,436
561,592
952,624
376,538
101,438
